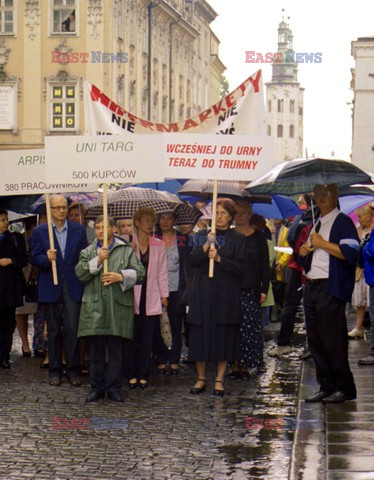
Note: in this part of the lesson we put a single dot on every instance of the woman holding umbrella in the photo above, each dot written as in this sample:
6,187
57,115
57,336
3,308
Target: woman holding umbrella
214,314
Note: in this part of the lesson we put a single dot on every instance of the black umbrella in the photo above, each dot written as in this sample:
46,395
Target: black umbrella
301,175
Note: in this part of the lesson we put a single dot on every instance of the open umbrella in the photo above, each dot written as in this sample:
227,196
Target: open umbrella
203,189
281,207
18,203
84,198
300,176
123,203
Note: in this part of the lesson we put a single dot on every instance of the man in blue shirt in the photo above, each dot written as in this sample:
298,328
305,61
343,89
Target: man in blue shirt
330,257
62,301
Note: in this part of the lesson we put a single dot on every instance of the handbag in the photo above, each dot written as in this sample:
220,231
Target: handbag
31,293
165,328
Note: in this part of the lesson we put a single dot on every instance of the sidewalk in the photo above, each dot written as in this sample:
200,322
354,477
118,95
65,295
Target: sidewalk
343,448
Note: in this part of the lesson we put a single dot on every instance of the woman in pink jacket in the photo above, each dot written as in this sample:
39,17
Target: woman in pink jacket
150,297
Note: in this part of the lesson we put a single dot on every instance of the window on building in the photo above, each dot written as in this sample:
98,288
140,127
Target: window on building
292,131
64,107
300,110
269,105
280,131
64,16
269,130
280,105
292,106
6,16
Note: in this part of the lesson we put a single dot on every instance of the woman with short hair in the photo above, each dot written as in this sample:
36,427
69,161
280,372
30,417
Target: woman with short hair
214,306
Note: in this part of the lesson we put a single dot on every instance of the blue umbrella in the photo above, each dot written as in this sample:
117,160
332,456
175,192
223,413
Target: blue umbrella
171,186
280,207
349,203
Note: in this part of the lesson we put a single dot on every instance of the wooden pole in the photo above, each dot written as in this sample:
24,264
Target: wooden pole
105,213
51,237
214,214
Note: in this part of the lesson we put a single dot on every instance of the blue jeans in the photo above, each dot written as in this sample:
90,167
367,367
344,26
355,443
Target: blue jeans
62,319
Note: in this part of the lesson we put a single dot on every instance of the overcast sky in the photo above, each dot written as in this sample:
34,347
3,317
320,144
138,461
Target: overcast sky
319,26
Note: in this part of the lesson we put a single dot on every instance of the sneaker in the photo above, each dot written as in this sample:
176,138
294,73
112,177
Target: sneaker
356,333
280,350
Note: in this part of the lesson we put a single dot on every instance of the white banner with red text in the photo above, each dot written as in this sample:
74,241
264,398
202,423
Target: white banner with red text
221,157
240,112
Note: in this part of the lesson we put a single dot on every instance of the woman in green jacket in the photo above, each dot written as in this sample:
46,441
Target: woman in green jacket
107,312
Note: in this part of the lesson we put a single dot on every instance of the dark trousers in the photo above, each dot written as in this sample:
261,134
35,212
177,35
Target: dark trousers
106,376
175,318
139,350
291,301
7,326
328,338
62,319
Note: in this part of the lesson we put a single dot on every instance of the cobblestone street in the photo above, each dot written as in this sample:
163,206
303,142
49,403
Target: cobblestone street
171,434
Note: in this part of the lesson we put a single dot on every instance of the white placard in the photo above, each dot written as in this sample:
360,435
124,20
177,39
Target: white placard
224,157
23,172
8,107
104,158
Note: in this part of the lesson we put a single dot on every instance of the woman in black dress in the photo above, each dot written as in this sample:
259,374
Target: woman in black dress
214,314
254,291
13,258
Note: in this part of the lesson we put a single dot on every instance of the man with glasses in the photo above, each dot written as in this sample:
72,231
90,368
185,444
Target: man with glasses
62,301
329,258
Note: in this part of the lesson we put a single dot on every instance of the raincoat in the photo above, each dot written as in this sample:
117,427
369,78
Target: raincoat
108,310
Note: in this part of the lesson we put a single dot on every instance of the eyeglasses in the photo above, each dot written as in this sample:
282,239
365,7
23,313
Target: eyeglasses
323,193
60,208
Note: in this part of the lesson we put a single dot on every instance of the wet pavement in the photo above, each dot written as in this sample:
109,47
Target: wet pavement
163,432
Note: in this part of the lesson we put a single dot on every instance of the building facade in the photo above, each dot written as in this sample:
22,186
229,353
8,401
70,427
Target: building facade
285,101
363,103
157,59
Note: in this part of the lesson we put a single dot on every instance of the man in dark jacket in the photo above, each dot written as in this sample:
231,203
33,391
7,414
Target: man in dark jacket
13,258
329,262
62,301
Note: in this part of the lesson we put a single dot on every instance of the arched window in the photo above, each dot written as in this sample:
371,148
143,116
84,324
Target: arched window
292,106
280,131
292,131
269,130
269,105
280,105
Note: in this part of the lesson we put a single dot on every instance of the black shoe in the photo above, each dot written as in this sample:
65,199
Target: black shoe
132,385
218,393
197,390
55,381
245,375
115,396
143,383
26,354
235,375
44,365
174,371
338,397
5,364
318,397
369,360
94,396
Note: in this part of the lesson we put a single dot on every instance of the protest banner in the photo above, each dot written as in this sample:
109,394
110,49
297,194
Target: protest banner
23,173
104,159
240,112
222,157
